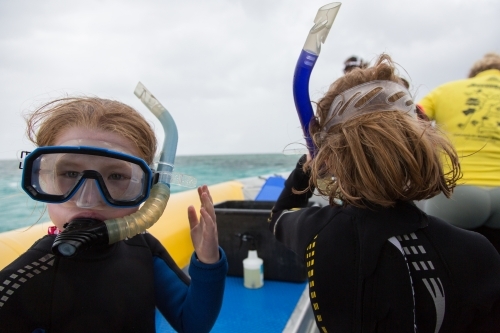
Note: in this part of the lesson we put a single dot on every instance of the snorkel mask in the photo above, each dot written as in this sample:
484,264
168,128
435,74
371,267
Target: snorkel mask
123,181
58,174
305,64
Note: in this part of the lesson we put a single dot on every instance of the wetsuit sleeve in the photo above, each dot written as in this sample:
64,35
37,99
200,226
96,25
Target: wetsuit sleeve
487,321
298,180
192,307
288,221
481,264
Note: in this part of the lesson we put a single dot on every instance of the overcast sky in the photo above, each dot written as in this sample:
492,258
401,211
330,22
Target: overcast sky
223,68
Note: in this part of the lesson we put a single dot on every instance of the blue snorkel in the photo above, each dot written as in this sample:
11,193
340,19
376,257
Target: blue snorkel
305,64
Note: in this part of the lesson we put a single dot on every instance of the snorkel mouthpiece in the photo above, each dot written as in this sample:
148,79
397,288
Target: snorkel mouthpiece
80,235
305,64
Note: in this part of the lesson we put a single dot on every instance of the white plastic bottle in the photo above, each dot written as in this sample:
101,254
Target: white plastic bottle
253,271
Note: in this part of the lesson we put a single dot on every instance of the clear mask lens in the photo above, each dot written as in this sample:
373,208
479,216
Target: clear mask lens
59,174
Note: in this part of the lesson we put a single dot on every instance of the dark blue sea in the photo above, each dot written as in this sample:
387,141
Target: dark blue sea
19,210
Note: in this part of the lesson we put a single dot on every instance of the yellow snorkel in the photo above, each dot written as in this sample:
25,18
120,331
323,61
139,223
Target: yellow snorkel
153,208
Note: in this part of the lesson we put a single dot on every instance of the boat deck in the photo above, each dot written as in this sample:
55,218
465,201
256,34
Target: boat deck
276,307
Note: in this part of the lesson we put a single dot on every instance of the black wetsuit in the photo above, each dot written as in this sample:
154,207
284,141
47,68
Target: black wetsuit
109,289
389,269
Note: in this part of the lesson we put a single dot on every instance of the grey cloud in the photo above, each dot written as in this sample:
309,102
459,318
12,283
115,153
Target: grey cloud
223,68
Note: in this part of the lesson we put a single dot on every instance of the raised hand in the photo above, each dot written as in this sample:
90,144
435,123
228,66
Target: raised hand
204,229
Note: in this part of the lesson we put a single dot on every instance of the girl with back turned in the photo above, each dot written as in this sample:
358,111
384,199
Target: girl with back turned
376,262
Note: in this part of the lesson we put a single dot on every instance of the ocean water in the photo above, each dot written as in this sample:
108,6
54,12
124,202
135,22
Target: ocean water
19,210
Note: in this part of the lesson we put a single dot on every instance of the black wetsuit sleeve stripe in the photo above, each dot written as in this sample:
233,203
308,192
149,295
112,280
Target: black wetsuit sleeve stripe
158,250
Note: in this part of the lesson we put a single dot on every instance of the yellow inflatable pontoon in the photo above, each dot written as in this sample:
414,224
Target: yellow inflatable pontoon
172,229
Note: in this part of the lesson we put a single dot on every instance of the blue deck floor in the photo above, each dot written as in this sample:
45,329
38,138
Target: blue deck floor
252,310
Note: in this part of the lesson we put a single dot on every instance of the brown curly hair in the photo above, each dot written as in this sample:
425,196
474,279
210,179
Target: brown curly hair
381,157
48,121
489,61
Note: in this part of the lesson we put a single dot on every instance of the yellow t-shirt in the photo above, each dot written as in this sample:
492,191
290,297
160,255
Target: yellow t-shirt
468,111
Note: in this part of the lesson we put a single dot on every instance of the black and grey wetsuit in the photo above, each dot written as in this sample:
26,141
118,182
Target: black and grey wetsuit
389,269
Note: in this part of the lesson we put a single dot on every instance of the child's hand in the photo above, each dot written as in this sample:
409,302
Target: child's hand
204,231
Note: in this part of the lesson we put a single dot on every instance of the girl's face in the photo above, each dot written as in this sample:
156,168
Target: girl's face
98,208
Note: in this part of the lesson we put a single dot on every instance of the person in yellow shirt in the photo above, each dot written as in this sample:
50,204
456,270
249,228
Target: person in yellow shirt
468,112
